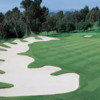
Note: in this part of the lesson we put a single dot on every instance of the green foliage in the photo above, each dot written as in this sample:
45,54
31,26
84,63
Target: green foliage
70,27
84,12
62,26
84,25
34,15
37,19
10,32
93,15
66,27
98,23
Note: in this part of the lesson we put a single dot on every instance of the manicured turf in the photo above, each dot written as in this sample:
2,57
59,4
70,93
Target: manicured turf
5,85
3,45
12,42
22,40
2,49
2,60
72,53
2,72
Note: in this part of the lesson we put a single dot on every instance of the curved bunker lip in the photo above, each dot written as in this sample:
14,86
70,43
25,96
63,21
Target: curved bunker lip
36,81
88,35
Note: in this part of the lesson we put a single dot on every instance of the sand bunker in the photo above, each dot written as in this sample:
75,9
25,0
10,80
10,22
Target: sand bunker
36,81
88,35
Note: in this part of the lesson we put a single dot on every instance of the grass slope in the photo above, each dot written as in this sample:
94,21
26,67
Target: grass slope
72,53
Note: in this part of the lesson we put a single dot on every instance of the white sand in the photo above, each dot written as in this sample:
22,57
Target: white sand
36,81
88,35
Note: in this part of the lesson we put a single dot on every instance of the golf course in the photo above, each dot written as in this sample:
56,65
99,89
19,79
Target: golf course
49,50
71,53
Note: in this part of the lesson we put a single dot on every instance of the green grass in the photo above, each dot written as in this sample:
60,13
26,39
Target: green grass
3,45
2,49
32,35
12,42
2,72
2,60
5,85
22,40
35,36
6,46
72,53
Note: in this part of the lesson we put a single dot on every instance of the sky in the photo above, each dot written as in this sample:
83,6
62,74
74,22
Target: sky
53,5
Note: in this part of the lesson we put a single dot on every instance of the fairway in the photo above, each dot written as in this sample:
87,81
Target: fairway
73,54
50,50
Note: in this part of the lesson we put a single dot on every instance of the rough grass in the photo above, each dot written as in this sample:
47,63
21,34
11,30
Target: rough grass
72,53
5,85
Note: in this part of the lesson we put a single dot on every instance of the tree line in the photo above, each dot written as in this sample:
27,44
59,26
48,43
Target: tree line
76,20
15,23
35,18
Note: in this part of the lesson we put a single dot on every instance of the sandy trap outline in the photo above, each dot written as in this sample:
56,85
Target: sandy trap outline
36,81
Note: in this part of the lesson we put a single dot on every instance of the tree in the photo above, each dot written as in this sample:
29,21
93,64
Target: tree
15,19
2,34
59,15
34,15
8,16
68,16
93,15
62,26
84,25
70,27
84,12
46,27
98,23
25,16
